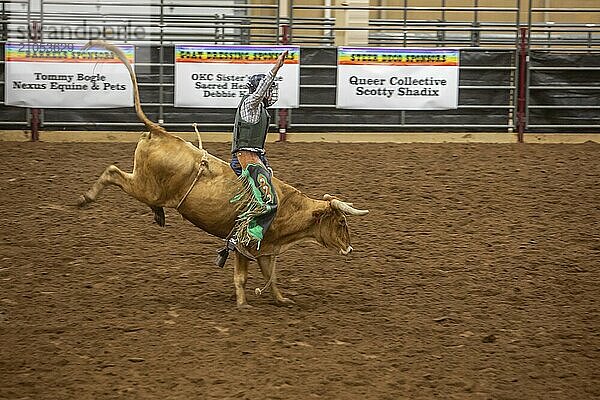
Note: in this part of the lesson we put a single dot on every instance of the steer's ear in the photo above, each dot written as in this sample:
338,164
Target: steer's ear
321,213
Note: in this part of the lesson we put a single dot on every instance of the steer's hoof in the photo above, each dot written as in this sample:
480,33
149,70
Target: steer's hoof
83,201
159,216
245,307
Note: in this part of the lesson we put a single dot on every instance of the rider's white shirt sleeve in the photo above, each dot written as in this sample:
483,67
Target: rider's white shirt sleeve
250,110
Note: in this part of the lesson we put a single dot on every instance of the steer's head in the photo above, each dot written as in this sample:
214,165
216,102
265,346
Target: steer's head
332,226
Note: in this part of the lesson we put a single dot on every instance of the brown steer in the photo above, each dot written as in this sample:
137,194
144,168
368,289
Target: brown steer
170,172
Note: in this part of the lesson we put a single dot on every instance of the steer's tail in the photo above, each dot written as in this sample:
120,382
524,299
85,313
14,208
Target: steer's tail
153,127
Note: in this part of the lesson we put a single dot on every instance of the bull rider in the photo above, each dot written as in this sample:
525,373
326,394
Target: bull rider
258,199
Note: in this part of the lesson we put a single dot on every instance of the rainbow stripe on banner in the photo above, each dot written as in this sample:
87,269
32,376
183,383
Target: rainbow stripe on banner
235,54
62,53
397,56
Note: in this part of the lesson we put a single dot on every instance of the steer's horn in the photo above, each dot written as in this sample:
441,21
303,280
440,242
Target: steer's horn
344,207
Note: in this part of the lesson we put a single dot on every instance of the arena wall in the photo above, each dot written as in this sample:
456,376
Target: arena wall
560,81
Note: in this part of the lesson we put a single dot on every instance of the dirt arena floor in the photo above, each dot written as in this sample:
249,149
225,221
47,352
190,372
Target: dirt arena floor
475,276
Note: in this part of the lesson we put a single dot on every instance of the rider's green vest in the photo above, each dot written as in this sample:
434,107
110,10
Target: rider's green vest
246,134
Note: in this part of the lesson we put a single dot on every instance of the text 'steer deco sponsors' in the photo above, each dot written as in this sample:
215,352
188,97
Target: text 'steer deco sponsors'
397,78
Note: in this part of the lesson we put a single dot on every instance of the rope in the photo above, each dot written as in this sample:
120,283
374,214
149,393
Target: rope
259,291
203,162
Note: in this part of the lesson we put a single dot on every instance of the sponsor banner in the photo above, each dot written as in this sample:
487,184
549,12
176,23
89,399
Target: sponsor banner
216,76
63,75
397,78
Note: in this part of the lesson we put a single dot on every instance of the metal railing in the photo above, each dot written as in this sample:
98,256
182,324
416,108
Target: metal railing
444,31
494,98
485,105
571,50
